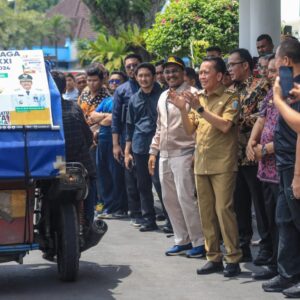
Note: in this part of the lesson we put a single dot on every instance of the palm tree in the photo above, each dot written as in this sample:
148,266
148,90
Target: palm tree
108,50
58,27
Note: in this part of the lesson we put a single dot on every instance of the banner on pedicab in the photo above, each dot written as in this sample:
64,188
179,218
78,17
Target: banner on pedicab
24,90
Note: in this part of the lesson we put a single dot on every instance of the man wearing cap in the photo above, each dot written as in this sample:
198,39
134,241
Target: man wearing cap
26,96
214,117
175,165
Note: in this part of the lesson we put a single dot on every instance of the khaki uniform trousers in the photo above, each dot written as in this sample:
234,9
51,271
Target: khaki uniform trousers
215,196
178,193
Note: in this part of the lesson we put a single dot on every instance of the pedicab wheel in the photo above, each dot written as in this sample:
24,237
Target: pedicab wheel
68,243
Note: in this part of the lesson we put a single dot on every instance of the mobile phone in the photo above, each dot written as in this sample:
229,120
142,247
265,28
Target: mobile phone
286,80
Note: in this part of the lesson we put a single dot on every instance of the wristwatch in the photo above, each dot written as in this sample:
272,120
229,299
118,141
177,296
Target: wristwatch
264,151
200,110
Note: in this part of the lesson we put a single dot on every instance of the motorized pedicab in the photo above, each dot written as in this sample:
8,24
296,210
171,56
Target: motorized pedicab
41,196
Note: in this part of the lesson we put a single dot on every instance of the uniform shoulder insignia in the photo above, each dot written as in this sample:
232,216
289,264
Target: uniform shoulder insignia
231,90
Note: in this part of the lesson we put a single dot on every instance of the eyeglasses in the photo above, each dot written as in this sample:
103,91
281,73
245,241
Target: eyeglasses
114,81
230,65
171,71
131,66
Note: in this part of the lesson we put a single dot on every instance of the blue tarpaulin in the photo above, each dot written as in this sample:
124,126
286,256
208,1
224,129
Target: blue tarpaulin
44,147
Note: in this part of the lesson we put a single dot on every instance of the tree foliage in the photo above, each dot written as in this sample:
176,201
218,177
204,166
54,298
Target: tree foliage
20,28
188,23
24,28
40,5
116,14
112,50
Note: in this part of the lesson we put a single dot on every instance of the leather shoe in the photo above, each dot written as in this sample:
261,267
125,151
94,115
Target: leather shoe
292,292
263,258
278,284
232,269
268,273
160,217
210,267
148,227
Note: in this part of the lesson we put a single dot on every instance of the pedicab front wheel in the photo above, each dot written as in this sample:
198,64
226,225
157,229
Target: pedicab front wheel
68,243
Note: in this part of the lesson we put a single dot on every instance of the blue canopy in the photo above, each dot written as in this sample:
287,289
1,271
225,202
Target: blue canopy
45,148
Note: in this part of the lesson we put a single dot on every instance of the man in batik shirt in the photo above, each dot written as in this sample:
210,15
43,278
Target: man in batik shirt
248,188
261,148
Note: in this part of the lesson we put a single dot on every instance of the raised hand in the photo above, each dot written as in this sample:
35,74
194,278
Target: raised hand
177,100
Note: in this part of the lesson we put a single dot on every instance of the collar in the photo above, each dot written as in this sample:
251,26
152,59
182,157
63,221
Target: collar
245,83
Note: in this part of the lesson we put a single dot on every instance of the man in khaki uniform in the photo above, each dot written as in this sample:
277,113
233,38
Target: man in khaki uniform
213,117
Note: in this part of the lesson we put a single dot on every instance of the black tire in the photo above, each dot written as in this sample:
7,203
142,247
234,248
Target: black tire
68,243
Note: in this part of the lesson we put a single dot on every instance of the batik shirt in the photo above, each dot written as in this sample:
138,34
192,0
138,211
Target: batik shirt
251,93
267,165
89,104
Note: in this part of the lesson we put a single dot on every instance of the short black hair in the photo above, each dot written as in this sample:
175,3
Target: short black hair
120,73
244,55
291,49
146,65
159,63
70,75
94,71
80,74
264,37
133,55
60,80
219,63
214,48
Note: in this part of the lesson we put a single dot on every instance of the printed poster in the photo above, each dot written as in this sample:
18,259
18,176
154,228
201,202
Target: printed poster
24,91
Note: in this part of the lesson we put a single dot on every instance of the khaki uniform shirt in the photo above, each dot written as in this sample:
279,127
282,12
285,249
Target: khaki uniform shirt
216,152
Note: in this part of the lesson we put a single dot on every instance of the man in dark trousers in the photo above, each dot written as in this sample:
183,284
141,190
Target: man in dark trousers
287,150
121,99
141,126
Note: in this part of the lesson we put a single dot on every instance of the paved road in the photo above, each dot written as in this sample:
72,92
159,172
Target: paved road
127,265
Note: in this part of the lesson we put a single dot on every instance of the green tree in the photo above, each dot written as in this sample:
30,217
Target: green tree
40,5
112,50
20,28
109,50
115,14
189,23
57,27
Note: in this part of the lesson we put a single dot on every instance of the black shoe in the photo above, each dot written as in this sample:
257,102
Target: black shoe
292,292
266,274
160,217
167,228
120,214
277,284
210,267
148,227
263,258
247,256
232,270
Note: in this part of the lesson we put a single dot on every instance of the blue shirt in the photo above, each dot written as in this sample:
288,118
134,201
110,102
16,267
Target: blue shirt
105,107
285,140
121,99
141,119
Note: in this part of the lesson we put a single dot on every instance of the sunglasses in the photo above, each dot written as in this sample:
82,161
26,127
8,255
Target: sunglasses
114,81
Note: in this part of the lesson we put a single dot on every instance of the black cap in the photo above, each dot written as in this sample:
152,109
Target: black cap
25,77
174,60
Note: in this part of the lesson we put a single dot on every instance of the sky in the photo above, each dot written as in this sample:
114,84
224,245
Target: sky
290,10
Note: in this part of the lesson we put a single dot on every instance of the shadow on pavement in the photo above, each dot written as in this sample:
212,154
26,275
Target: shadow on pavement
39,281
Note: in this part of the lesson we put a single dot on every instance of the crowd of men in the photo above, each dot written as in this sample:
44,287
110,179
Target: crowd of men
212,145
